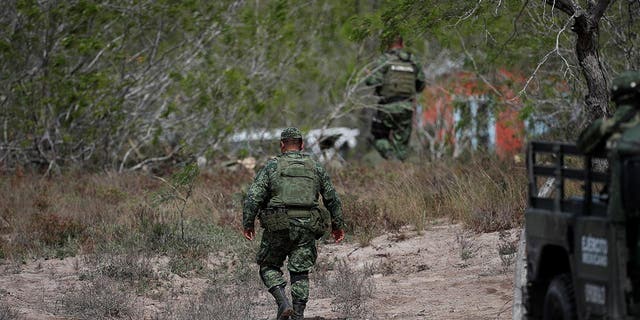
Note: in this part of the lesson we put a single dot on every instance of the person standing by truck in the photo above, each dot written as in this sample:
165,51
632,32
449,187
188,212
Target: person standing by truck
583,250
619,138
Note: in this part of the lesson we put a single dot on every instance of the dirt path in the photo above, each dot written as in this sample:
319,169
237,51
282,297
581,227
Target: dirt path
426,277
443,273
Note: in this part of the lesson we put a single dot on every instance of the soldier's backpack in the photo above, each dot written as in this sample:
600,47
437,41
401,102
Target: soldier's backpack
297,185
295,195
399,79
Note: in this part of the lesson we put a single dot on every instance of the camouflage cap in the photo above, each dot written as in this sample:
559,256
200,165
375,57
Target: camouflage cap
626,83
291,133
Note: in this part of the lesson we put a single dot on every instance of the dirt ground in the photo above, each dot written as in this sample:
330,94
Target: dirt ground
428,278
442,273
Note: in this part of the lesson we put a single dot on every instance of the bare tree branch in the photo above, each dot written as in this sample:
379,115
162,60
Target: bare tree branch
599,8
570,7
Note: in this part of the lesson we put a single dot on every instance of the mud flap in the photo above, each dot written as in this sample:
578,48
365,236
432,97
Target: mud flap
519,311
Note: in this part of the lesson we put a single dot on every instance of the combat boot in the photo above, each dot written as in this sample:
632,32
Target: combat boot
284,306
298,310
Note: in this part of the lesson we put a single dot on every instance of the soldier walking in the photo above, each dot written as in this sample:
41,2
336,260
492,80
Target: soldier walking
397,78
285,192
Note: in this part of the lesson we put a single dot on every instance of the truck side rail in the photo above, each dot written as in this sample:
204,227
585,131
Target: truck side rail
559,172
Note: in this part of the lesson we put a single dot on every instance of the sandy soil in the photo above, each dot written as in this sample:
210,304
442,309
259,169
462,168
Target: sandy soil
443,273
429,279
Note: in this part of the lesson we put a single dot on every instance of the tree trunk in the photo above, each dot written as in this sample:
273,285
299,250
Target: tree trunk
586,26
597,99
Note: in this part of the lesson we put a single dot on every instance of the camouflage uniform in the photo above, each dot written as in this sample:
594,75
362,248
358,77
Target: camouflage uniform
619,138
392,123
297,240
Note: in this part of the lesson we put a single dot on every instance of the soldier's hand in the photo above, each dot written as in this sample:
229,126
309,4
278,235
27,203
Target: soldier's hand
338,235
249,234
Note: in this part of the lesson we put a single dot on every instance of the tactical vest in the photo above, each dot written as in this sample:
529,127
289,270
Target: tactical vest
295,183
294,195
399,79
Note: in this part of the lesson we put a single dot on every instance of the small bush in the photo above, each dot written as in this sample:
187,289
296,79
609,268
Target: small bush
7,313
219,303
101,298
320,277
54,230
188,255
466,245
3,248
132,267
507,249
488,197
159,237
352,289
364,218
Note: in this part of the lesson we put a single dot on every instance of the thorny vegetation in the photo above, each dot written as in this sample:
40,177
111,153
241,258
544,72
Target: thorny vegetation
106,84
100,299
112,213
507,249
122,85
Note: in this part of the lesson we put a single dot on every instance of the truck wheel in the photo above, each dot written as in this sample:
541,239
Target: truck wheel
560,302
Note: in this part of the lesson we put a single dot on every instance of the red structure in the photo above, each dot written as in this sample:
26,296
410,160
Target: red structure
464,110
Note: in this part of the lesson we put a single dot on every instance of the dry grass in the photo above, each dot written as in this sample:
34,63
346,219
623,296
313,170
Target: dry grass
101,298
352,290
7,313
93,213
114,222
218,303
466,245
486,195
135,269
231,294
507,249
87,213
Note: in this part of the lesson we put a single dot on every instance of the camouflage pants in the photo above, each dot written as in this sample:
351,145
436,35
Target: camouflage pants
297,243
391,130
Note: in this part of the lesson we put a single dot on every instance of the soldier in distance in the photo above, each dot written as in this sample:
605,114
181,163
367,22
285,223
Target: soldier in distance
397,77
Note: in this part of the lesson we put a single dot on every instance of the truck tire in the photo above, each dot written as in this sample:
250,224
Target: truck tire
559,301
519,311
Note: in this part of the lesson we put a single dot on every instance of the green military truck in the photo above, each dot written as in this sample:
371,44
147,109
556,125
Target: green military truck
581,255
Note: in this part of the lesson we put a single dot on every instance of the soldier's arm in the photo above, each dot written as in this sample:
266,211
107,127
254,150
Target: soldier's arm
593,139
377,73
330,198
421,79
256,196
